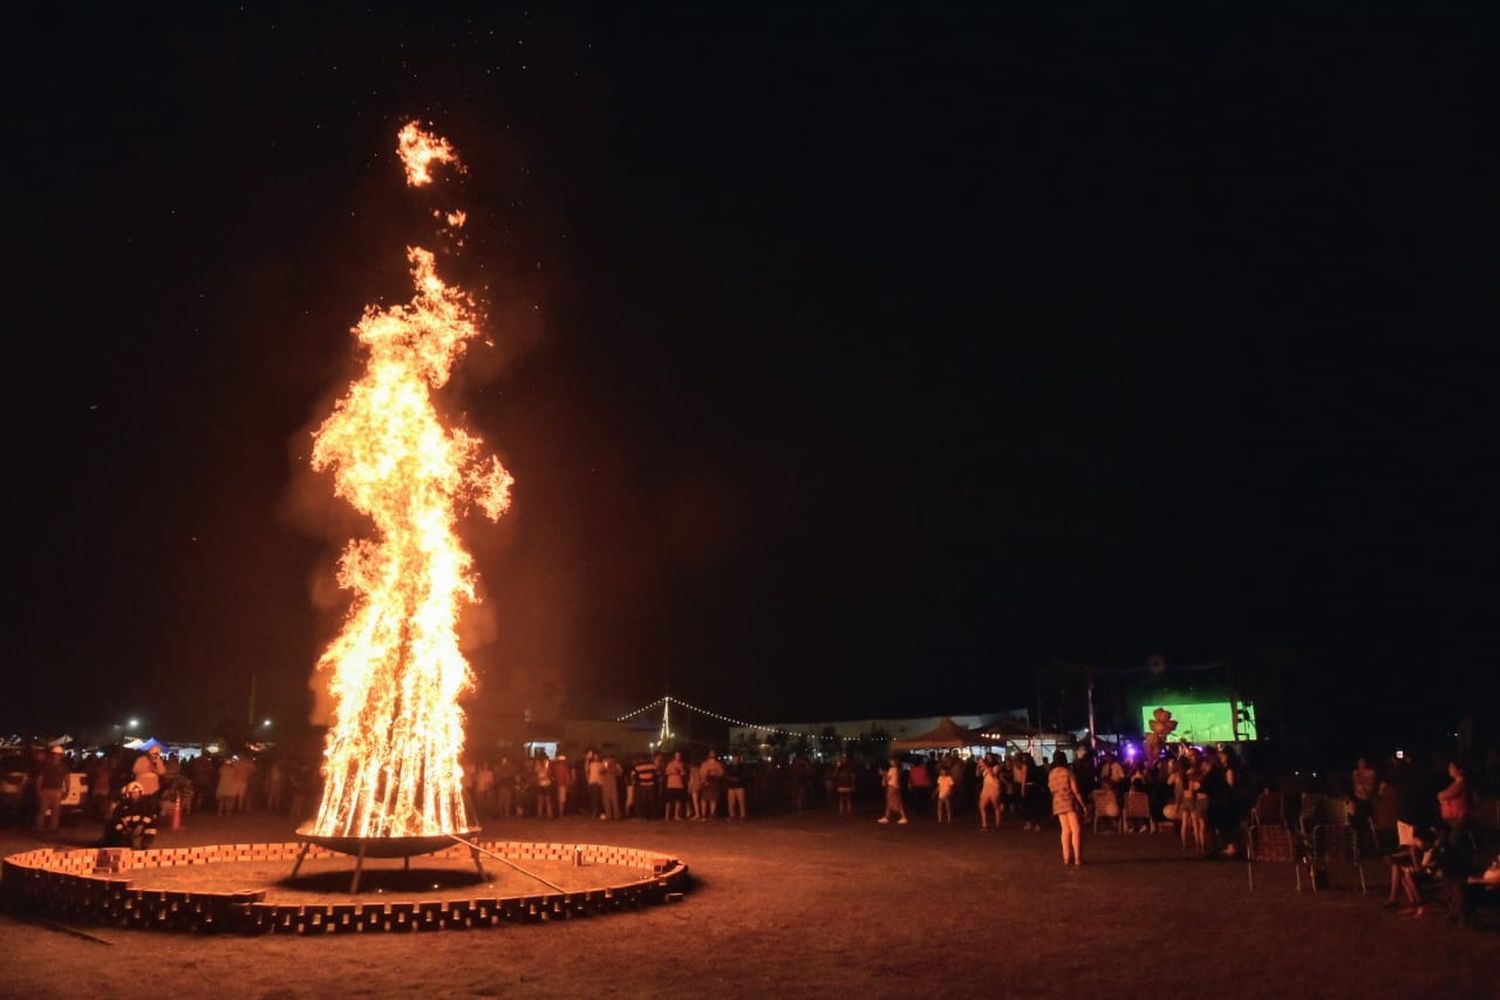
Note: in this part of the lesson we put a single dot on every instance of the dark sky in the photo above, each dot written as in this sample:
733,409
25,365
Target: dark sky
855,360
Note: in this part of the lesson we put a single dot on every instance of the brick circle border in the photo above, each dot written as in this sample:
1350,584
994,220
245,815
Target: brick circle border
89,886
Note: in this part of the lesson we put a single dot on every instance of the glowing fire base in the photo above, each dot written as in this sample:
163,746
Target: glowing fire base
405,848
92,886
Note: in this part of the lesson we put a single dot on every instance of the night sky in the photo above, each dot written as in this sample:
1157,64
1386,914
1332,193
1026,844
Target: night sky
852,360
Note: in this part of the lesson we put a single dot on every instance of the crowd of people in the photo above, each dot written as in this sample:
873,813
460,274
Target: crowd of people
610,787
1209,797
129,790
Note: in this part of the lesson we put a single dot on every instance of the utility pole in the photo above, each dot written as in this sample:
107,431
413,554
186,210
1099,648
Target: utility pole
250,718
1036,678
1234,700
1093,731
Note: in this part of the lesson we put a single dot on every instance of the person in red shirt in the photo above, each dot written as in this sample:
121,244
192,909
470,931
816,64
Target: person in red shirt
919,783
562,780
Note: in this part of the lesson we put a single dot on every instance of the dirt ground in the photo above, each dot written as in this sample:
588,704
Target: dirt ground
814,904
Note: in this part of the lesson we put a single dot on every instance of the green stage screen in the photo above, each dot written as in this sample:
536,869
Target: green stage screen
1203,723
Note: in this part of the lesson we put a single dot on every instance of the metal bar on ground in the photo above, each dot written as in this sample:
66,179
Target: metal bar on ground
300,855
505,861
359,868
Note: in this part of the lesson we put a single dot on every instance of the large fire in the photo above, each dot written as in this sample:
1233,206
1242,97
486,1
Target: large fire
391,765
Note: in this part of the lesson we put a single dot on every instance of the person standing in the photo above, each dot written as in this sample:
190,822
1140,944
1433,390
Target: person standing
1218,786
609,788
1363,782
505,788
919,784
736,780
893,802
99,771
51,786
594,774
233,779
484,788
546,802
695,790
800,773
1453,801
676,781
148,770
945,795
1084,770
844,779
276,786
712,777
644,778
1033,795
1067,806
989,791
562,777
467,781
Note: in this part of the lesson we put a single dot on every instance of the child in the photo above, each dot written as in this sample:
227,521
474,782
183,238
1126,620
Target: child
945,795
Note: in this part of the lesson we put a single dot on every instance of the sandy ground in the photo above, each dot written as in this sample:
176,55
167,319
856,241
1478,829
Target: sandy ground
814,904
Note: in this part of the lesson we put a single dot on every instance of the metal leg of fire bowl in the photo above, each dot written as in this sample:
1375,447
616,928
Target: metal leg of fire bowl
478,865
300,855
359,868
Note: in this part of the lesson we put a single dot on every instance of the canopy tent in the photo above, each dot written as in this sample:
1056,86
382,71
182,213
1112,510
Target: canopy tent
946,735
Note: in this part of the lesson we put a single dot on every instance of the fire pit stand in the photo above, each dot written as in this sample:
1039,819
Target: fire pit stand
404,848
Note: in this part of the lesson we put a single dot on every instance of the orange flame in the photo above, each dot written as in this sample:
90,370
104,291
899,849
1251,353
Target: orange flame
391,766
418,148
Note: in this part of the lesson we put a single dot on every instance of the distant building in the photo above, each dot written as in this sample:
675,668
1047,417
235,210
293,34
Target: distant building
1010,729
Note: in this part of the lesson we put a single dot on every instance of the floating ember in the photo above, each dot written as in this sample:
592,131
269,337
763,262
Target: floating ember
391,767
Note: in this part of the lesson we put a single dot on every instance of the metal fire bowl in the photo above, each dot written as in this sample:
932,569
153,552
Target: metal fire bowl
386,847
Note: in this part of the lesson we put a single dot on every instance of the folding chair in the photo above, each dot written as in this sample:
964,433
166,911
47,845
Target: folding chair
1137,807
1107,807
1338,810
1267,809
1310,812
1272,843
1339,844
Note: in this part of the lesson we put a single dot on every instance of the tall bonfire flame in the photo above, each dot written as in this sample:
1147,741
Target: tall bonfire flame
391,765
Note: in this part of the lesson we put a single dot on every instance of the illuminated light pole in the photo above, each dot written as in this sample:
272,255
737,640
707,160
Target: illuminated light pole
1093,732
666,721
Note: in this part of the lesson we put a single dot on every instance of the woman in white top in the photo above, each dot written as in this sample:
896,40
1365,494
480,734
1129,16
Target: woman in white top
989,791
893,803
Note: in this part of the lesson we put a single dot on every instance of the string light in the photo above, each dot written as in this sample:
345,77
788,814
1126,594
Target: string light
667,700
643,708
